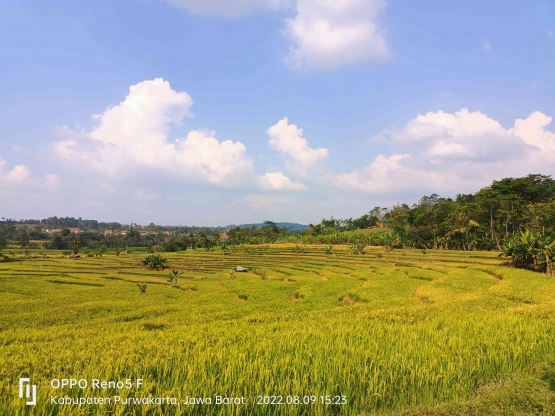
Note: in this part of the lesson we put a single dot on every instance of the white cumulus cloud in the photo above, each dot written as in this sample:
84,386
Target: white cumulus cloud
288,140
278,181
133,136
447,152
532,131
376,176
327,34
22,193
463,135
20,177
324,34
17,174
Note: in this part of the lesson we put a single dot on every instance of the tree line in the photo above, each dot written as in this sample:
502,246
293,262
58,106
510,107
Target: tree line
30,236
515,216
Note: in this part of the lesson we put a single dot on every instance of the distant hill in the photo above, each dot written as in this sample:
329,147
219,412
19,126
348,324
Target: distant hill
292,225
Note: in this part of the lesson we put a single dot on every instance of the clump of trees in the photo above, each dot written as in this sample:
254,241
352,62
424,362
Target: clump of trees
269,232
531,250
155,238
485,220
515,215
21,236
155,262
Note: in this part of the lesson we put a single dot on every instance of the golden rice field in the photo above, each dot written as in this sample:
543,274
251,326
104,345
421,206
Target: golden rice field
387,332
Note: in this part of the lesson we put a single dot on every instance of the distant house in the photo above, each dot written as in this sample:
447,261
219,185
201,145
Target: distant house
54,231
108,231
74,230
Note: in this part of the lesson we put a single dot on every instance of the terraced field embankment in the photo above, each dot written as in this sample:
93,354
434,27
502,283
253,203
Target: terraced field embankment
390,331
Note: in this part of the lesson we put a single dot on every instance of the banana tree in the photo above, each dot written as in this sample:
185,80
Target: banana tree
530,250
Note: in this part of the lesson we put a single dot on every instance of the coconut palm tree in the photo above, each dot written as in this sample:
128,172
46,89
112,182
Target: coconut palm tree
76,246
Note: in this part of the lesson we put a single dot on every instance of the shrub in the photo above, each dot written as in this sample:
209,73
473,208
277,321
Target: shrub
173,276
298,249
101,250
224,247
357,247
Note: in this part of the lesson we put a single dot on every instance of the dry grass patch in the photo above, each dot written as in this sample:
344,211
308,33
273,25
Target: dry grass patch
347,300
421,297
351,299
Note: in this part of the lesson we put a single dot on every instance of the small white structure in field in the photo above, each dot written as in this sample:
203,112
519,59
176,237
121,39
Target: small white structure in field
240,269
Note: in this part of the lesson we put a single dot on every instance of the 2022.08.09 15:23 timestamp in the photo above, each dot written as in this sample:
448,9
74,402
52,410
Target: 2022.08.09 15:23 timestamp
300,400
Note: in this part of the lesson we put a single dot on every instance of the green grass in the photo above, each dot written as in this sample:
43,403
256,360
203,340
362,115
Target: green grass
396,332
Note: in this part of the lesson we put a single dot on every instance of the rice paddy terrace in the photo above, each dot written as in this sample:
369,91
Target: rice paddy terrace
387,332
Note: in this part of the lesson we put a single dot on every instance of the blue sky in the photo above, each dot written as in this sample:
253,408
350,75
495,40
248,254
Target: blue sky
289,110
